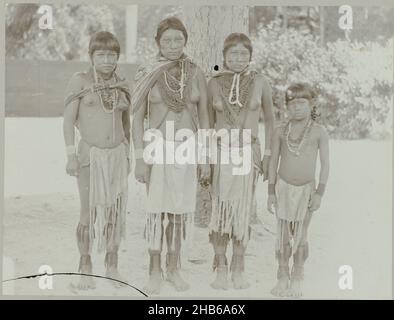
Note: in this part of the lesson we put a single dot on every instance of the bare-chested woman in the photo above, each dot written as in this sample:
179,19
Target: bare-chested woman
236,96
172,90
97,104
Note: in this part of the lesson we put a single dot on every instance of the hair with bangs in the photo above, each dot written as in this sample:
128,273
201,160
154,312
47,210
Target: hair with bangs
232,40
103,40
302,90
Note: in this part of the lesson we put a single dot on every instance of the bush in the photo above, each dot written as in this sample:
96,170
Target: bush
353,80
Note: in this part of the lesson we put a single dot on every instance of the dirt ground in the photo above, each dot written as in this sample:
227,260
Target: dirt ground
353,226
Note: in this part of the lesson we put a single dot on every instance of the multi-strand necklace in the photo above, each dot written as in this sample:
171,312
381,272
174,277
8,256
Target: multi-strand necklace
175,82
295,145
236,90
175,92
108,97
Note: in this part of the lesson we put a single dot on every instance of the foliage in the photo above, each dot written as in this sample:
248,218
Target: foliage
73,26
353,80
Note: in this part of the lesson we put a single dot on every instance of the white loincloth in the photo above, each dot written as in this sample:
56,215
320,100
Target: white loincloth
108,194
172,189
292,211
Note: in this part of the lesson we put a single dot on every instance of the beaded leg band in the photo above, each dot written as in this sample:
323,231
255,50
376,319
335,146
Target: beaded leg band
83,239
220,262
283,260
172,261
154,262
85,264
111,260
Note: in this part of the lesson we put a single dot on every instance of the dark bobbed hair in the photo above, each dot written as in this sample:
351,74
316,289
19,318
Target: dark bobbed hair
232,40
103,40
302,90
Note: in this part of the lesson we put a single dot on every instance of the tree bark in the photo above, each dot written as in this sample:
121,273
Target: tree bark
208,26
322,26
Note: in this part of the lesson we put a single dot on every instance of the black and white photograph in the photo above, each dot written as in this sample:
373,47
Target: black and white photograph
198,151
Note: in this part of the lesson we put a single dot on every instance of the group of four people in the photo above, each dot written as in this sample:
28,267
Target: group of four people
173,89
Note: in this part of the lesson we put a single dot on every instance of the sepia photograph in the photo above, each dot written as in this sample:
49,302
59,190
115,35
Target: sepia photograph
198,152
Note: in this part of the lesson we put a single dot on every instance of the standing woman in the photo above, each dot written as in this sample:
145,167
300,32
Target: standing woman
172,90
97,104
236,97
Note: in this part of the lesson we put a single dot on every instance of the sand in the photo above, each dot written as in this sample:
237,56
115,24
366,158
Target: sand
353,226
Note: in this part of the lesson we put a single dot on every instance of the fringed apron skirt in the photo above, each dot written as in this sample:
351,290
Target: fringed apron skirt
233,195
292,211
107,193
172,189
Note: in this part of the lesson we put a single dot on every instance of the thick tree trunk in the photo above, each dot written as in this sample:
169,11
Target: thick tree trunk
208,26
322,25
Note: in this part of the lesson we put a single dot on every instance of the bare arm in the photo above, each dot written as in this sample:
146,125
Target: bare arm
203,112
211,110
71,110
324,160
273,165
267,105
138,126
126,124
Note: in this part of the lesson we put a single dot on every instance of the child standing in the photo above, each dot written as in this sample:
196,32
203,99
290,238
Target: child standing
292,195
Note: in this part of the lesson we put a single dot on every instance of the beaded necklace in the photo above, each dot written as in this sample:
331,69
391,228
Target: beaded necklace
295,145
109,98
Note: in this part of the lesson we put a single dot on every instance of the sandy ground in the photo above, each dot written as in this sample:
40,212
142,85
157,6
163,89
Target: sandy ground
353,226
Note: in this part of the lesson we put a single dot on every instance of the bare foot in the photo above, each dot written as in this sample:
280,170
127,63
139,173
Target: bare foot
86,282
295,290
239,281
176,280
221,279
154,284
281,288
113,273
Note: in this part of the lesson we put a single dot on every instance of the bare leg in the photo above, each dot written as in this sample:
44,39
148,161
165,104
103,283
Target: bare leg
282,285
155,272
111,264
283,255
299,258
238,265
83,235
174,236
220,264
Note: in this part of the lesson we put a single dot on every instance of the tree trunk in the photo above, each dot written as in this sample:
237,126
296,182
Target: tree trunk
322,25
23,18
208,26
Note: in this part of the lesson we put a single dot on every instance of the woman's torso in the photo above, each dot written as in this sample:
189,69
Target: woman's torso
97,127
160,116
248,117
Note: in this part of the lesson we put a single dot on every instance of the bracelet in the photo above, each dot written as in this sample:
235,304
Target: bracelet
267,152
139,153
320,189
70,150
271,189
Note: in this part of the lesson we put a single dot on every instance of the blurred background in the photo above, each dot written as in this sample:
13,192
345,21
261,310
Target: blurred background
351,69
